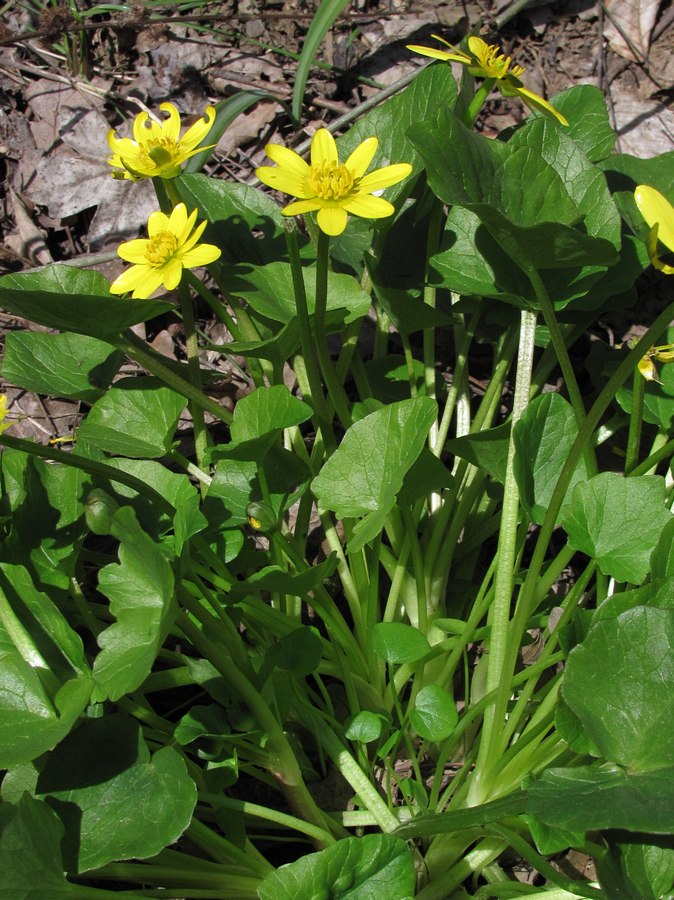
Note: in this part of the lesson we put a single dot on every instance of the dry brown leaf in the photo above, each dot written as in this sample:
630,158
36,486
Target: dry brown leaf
635,18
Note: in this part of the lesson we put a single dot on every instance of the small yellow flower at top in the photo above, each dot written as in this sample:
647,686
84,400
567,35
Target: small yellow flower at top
659,215
171,246
157,148
3,414
486,61
334,189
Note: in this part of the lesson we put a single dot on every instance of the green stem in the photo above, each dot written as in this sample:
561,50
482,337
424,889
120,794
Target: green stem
267,815
332,382
563,358
477,102
499,614
636,420
136,349
194,374
432,242
528,594
309,354
286,769
91,466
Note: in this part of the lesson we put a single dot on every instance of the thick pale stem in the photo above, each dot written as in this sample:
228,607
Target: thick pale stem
499,614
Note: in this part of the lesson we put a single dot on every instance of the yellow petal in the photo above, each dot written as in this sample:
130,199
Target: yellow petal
332,220
361,157
323,148
129,279
534,101
193,238
288,159
434,53
134,251
299,207
178,222
171,273
170,127
197,132
157,222
647,368
202,255
145,128
369,207
656,210
283,180
384,177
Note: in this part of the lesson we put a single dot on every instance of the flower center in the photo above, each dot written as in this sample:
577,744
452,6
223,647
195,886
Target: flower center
330,181
496,65
161,248
158,153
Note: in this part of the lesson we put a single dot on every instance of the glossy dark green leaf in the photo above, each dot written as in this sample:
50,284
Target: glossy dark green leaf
60,365
366,472
42,623
584,106
244,222
137,417
366,726
35,717
396,642
487,450
30,852
269,291
299,652
47,522
435,715
592,798
625,704
76,300
115,799
141,592
632,868
267,410
617,521
543,438
367,868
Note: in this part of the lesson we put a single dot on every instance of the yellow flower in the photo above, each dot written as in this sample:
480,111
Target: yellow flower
664,354
333,188
3,412
486,61
659,215
158,149
170,247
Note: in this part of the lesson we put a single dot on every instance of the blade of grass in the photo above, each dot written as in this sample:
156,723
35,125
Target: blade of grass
326,14
225,113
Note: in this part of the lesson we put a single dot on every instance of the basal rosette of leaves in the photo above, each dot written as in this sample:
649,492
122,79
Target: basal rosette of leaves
402,565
